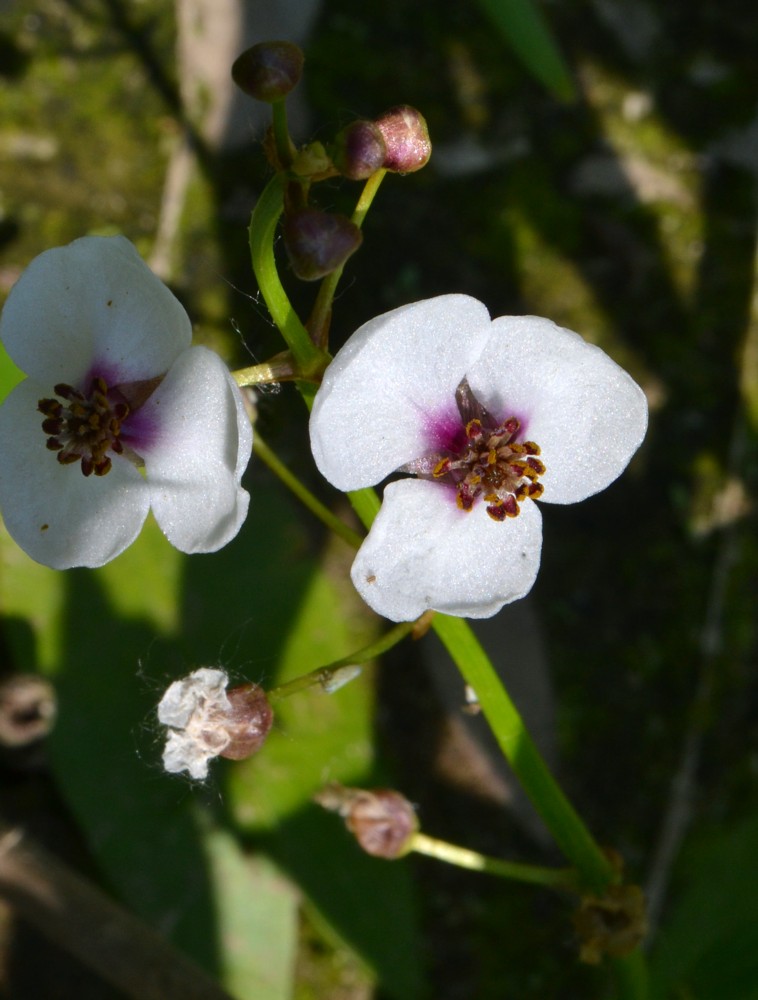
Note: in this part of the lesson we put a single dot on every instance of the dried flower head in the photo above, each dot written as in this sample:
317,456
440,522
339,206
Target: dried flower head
206,721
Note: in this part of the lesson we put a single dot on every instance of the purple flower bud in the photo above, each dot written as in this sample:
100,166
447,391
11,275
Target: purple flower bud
268,71
382,821
317,242
407,139
359,150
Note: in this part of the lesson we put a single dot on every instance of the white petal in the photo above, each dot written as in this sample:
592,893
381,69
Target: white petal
201,448
184,753
422,552
93,303
204,686
585,412
57,515
394,378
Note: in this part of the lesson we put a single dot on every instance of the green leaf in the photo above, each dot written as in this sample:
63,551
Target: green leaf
708,947
257,917
10,374
142,831
526,30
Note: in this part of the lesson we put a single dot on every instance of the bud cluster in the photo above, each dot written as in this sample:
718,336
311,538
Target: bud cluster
319,242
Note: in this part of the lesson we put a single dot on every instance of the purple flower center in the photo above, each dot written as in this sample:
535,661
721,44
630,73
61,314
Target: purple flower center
485,460
88,427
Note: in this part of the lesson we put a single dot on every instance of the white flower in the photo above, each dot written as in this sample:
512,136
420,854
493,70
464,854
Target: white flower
195,708
118,414
490,416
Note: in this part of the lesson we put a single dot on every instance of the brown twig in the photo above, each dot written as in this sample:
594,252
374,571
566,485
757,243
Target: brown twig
82,920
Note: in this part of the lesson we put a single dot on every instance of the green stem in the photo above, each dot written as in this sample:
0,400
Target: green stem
318,323
309,359
303,494
277,369
553,878
282,139
631,973
325,676
366,505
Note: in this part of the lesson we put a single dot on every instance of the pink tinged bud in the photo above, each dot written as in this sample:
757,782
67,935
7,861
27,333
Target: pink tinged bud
406,137
360,150
247,721
382,821
268,71
317,242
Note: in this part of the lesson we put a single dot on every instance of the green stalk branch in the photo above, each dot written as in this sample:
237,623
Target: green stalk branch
553,878
309,359
325,676
304,495
318,323
280,129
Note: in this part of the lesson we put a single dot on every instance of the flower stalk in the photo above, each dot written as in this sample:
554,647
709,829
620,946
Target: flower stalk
310,360
277,369
325,677
304,495
280,129
462,857
318,322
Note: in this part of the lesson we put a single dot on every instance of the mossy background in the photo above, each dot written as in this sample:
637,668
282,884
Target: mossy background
628,214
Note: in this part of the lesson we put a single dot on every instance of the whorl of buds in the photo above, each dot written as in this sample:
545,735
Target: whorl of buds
359,150
406,137
382,821
268,71
317,242
612,924
205,721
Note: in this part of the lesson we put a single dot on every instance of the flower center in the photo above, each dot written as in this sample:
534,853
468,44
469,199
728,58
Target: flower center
489,464
84,428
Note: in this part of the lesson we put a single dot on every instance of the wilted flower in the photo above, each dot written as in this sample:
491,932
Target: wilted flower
206,721
489,416
118,414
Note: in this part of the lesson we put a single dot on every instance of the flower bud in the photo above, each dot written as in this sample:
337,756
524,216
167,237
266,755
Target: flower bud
317,242
268,71
382,821
205,721
407,139
360,150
